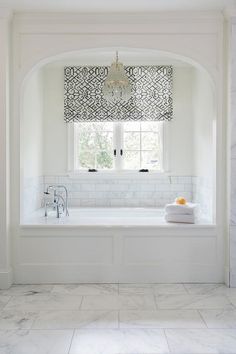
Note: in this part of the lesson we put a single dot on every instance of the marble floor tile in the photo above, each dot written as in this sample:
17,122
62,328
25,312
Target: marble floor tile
204,289
219,318
136,289
16,319
192,302
118,302
44,302
118,319
201,341
4,300
232,299
86,289
76,319
35,342
169,289
161,319
16,290
135,341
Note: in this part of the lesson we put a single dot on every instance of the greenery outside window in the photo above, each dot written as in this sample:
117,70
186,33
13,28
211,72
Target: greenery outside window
119,146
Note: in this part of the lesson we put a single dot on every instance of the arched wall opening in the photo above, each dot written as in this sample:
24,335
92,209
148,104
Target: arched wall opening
190,140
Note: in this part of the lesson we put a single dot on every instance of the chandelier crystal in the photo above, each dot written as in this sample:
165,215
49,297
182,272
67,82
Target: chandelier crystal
117,86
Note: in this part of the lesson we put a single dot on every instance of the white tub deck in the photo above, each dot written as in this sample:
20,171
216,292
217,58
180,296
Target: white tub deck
106,217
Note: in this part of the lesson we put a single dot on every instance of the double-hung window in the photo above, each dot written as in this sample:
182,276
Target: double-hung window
126,136
128,146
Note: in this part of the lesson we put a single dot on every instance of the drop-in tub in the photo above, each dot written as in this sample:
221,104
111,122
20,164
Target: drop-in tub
104,217
116,245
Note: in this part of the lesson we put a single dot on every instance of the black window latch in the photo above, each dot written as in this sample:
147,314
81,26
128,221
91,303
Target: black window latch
92,170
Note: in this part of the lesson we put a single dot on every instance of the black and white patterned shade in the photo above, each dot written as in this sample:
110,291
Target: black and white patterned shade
151,99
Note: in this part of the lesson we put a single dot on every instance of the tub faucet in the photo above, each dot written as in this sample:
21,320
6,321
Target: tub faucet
59,203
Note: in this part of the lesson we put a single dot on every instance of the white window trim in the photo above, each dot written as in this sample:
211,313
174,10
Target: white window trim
118,164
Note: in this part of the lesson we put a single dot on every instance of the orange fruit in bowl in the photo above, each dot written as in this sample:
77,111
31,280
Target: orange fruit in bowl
180,200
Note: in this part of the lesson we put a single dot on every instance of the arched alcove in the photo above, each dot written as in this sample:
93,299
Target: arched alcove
190,139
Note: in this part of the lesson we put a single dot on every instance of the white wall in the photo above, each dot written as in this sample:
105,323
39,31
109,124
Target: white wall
203,113
55,129
32,146
39,37
180,140
180,135
32,132
203,154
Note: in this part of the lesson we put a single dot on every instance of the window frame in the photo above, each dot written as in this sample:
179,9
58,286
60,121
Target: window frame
118,140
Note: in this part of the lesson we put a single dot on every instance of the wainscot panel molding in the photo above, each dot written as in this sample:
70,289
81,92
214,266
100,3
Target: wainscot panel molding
118,254
39,39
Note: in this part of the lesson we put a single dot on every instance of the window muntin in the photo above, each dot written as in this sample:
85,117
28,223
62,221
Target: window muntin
137,145
142,145
94,145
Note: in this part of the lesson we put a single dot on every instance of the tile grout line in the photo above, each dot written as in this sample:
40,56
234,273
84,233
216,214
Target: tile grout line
155,300
4,307
199,312
164,330
72,337
82,299
186,289
231,303
35,319
119,319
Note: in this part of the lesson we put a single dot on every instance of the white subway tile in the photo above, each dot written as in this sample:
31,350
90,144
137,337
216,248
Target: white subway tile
102,187
117,202
188,187
87,187
87,202
177,187
102,202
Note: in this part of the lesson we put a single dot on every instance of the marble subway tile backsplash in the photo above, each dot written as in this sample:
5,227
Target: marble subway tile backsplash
143,191
202,191
122,191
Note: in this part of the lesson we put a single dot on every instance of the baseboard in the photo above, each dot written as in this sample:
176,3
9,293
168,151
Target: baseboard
72,273
6,277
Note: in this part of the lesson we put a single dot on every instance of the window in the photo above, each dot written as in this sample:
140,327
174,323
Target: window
116,146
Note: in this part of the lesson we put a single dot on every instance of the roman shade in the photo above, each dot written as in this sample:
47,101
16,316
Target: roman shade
151,99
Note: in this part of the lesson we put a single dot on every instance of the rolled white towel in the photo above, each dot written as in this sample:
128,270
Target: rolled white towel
181,218
179,209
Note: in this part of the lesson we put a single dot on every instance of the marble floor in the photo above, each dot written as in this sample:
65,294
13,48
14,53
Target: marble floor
118,319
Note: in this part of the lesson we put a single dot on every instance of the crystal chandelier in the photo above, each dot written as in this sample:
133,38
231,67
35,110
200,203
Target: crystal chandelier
117,86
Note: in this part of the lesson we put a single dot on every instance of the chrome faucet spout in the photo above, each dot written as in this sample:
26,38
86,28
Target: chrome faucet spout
66,197
60,204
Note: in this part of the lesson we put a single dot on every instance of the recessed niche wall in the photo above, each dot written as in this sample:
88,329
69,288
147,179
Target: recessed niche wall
189,142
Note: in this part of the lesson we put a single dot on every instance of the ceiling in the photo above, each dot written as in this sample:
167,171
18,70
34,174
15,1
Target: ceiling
116,6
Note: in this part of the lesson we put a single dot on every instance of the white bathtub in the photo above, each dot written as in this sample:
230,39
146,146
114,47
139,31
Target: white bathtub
104,217
115,245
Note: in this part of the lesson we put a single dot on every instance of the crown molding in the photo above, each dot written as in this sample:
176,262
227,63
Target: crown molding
121,17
